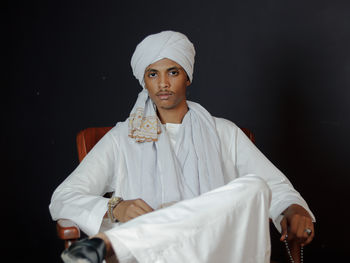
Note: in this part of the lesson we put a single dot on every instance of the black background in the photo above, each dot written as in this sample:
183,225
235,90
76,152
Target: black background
279,68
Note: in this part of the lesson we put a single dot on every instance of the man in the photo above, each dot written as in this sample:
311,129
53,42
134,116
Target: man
213,185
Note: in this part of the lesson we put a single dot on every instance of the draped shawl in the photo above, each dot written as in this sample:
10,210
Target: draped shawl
194,166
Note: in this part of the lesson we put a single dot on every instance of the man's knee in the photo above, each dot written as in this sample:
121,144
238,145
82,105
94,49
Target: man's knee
261,187
257,185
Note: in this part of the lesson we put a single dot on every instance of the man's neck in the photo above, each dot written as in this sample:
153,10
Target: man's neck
173,115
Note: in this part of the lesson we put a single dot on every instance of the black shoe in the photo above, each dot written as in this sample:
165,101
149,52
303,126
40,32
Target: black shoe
85,251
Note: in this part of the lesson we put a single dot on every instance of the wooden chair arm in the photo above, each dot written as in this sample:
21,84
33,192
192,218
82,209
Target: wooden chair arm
249,134
68,231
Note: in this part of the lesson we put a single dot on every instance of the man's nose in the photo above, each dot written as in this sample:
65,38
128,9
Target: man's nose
164,82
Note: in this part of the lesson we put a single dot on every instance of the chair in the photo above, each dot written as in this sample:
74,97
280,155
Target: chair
86,139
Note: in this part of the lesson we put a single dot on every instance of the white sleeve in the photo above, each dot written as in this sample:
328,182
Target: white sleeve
249,160
80,196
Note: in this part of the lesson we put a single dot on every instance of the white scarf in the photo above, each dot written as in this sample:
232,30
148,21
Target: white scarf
159,173
194,166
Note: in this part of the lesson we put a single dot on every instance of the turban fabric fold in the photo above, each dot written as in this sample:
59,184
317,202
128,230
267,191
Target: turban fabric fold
166,44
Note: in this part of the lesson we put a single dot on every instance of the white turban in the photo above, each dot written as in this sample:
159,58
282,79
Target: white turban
166,44
143,121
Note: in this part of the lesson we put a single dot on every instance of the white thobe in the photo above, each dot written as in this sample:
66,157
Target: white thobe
104,169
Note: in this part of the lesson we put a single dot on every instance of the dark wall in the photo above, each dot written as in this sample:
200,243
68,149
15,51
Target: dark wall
280,68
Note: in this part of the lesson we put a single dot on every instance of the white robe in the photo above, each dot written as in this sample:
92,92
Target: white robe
104,169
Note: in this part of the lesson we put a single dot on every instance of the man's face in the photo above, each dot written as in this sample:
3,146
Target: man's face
166,82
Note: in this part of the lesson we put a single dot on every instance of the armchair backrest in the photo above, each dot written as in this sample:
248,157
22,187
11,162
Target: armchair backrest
87,138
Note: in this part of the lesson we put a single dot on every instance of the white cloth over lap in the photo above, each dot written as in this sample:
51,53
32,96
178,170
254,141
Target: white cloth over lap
229,224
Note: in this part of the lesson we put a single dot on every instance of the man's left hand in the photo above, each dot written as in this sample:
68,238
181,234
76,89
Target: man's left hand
296,223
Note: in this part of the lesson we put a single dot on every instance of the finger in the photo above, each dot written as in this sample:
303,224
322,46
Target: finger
311,236
301,233
306,237
293,227
138,210
284,229
132,213
308,240
134,210
144,205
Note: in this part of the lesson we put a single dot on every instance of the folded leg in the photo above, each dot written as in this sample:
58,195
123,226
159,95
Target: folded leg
228,224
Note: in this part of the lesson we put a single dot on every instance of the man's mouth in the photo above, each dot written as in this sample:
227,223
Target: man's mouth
164,95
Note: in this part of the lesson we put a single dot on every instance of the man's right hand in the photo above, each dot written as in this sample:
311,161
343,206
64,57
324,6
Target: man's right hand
129,209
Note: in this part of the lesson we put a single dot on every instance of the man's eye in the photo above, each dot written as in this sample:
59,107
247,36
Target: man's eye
152,74
174,72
